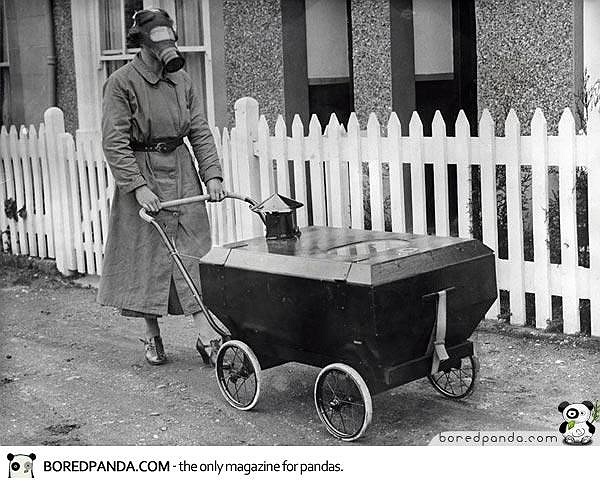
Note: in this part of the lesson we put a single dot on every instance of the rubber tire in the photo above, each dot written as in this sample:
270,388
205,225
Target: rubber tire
255,365
365,395
474,367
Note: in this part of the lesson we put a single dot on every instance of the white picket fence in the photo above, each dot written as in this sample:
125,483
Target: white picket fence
66,189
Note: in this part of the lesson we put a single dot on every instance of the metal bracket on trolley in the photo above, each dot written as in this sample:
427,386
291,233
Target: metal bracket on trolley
437,342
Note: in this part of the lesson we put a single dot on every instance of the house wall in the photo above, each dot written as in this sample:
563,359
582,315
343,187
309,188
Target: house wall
253,37
528,56
29,40
66,92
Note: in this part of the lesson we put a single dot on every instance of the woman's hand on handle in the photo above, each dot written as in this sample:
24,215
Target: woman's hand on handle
215,190
147,199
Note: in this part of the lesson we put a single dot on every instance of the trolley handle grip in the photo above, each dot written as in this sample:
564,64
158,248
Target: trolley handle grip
188,200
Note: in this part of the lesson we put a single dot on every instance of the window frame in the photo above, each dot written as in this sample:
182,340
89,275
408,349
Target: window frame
5,55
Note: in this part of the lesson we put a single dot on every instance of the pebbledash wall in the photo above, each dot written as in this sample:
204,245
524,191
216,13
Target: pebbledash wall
371,59
66,91
254,54
529,55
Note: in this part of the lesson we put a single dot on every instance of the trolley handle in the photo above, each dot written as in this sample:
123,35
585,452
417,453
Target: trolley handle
188,200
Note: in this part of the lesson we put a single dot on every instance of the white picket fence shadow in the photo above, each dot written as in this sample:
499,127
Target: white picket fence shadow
347,177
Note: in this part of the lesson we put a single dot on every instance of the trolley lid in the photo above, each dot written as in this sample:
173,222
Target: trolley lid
354,256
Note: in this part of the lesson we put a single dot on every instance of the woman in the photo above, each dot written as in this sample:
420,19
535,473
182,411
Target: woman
149,105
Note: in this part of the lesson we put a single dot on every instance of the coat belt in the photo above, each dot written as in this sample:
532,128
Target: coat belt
162,145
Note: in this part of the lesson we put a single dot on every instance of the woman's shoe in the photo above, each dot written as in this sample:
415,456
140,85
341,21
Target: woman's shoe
155,352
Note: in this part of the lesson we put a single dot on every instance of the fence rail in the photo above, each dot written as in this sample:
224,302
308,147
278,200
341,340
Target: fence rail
518,193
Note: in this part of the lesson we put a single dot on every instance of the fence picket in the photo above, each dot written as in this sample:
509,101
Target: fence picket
236,182
512,130
489,222
317,181
539,204
218,233
74,179
84,153
463,175
283,173
95,209
13,140
375,173
300,191
7,188
394,135
267,182
230,228
103,206
440,175
338,191
417,175
28,203
593,167
357,211
48,221
568,221
38,209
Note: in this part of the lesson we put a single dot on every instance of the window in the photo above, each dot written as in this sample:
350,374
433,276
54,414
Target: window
4,79
191,22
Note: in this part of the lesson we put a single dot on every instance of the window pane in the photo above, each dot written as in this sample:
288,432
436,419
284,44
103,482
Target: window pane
3,34
111,66
189,22
110,15
131,7
194,65
116,17
4,97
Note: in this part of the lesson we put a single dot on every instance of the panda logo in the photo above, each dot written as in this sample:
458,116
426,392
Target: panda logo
21,466
577,429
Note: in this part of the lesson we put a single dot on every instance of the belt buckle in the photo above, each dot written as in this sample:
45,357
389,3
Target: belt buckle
162,147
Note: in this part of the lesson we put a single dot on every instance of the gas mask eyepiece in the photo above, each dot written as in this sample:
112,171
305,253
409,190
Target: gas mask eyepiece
153,28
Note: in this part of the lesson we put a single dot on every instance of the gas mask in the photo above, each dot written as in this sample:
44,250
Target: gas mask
153,28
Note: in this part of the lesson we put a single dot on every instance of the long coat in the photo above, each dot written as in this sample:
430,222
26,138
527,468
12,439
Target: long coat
141,105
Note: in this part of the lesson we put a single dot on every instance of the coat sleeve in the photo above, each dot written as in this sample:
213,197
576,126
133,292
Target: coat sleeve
202,140
116,129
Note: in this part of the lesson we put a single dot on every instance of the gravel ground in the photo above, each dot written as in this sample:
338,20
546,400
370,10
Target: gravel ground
73,373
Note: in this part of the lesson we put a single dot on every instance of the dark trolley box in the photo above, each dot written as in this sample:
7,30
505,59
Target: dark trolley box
373,309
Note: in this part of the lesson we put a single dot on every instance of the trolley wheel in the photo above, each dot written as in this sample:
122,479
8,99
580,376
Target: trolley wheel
238,374
343,401
457,381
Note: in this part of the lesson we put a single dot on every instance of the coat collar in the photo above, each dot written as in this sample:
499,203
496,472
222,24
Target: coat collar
148,74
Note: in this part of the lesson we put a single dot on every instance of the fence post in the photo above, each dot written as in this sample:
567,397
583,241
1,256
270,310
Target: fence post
61,190
593,167
246,133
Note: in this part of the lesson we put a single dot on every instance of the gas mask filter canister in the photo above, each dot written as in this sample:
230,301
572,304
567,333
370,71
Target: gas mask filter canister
155,30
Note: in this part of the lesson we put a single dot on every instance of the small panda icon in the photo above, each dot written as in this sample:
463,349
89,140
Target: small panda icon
577,429
21,466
